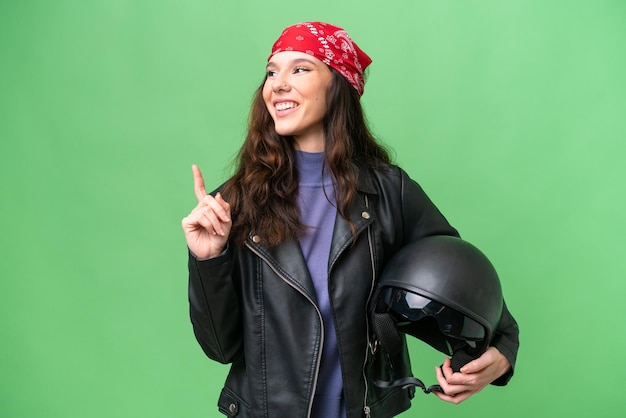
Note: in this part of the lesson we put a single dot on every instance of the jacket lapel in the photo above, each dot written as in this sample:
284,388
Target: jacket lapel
360,212
288,262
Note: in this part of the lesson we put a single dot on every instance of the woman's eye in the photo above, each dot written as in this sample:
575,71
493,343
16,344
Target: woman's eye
271,73
301,70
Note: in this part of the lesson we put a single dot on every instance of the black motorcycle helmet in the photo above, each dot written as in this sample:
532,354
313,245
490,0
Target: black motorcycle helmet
443,291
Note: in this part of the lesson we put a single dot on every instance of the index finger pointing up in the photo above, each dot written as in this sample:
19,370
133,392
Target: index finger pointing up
198,183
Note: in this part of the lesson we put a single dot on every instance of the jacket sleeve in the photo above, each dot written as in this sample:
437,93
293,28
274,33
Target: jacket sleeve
214,307
506,340
422,218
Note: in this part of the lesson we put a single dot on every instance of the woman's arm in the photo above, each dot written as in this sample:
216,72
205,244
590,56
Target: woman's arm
214,307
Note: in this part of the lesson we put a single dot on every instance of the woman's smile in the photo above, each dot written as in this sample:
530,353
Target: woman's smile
282,106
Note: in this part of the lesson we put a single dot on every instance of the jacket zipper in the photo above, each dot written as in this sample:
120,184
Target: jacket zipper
319,315
370,345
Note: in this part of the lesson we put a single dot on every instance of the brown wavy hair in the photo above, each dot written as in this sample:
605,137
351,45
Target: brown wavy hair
264,188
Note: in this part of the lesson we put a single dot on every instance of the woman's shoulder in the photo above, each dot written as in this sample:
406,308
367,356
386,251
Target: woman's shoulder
389,171
383,177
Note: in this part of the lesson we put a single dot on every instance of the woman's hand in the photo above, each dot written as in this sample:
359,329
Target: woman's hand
472,378
208,225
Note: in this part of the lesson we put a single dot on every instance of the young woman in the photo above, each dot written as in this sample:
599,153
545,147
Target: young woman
285,255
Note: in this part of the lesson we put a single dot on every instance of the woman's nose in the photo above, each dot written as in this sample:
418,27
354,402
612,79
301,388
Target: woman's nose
280,83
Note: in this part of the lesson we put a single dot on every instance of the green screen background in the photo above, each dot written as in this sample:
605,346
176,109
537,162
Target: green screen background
511,114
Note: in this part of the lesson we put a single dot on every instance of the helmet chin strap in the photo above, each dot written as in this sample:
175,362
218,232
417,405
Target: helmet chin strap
390,340
406,382
458,360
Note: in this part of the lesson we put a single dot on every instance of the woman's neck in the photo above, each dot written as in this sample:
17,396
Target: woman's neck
309,143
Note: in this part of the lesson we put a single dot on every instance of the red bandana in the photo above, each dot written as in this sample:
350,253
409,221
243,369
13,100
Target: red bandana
328,43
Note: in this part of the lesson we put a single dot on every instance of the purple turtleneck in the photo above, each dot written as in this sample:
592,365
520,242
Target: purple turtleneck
316,200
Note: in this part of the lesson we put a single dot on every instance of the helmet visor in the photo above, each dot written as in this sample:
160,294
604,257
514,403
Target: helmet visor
411,307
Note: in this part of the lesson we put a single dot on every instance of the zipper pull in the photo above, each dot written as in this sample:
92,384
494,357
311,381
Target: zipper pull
367,411
373,347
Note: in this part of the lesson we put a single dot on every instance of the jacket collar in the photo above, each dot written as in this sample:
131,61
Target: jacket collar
287,259
364,181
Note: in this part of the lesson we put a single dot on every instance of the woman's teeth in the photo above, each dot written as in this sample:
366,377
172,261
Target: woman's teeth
285,105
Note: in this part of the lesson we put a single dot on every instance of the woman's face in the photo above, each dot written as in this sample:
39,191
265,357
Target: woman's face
295,95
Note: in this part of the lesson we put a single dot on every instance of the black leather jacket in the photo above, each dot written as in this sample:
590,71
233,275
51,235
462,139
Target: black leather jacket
255,307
